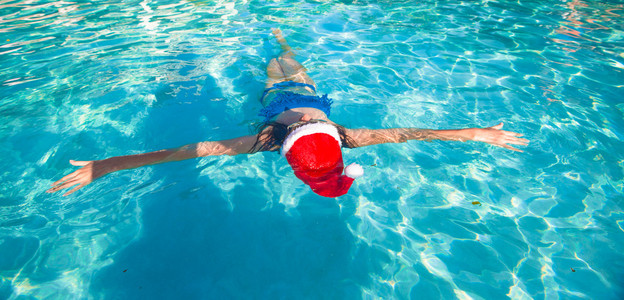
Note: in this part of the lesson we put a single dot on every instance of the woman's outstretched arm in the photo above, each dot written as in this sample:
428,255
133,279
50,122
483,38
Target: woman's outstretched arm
92,170
491,135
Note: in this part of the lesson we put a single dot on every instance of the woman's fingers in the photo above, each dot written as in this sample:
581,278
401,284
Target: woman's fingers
501,138
509,133
65,178
70,177
511,148
516,141
505,143
75,189
64,185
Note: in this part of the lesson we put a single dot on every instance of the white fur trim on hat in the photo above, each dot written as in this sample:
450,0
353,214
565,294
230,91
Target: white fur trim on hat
354,171
309,129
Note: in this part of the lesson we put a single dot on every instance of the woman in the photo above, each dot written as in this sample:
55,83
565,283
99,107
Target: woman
297,125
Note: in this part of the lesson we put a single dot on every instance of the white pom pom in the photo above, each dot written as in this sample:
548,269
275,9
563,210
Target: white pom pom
354,170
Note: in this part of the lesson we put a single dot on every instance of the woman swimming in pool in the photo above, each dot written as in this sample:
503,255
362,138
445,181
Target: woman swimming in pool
297,125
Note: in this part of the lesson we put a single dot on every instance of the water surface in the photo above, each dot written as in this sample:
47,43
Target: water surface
429,220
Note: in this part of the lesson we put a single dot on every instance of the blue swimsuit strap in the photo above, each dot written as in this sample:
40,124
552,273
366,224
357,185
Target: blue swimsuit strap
285,84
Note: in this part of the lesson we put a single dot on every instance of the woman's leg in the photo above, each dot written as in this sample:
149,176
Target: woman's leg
285,67
294,71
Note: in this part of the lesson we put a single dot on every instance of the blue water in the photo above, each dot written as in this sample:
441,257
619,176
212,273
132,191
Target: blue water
429,220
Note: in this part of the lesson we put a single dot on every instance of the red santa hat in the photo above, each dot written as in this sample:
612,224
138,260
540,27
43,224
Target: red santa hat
314,153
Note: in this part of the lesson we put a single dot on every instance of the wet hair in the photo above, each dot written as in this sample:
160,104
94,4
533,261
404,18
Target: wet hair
271,136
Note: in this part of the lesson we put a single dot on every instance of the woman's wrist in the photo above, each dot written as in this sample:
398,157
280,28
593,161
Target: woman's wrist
110,165
467,134
462,135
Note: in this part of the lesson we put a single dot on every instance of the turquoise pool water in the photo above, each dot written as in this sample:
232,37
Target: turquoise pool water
429,220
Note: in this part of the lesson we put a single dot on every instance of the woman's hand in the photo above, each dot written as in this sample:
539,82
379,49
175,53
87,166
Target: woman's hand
497,137
90,171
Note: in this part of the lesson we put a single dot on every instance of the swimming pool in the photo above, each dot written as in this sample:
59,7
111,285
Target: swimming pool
429,220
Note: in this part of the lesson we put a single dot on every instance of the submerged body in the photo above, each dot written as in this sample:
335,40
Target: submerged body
297,117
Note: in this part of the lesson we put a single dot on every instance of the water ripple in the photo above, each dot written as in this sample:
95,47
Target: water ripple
430,220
